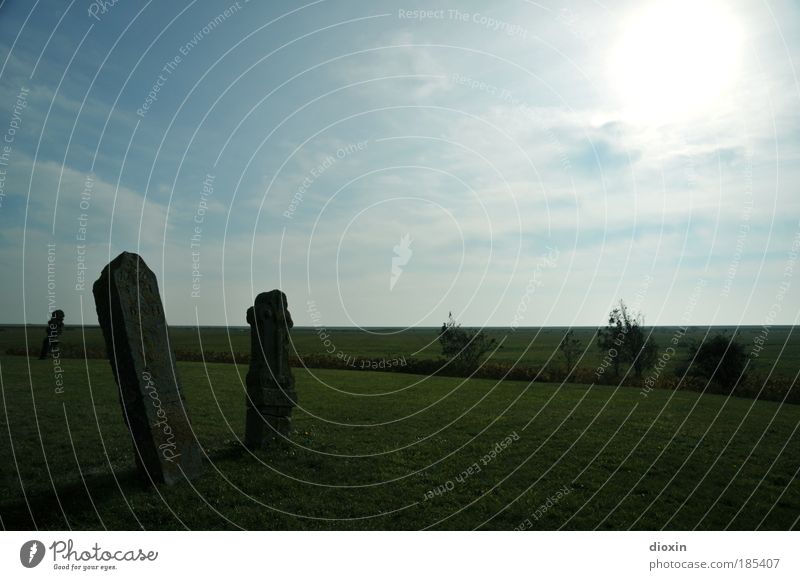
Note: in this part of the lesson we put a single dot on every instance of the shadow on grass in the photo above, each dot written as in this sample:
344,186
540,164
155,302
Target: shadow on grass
103,500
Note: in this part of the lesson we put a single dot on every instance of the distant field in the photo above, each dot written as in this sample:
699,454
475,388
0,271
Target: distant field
524,346
371,450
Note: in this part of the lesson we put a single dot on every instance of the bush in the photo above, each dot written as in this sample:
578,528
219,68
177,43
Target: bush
463,347
624,340
570,348
720,359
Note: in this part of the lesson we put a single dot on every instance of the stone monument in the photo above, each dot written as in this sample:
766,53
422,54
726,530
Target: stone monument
132,318
270,384
55,326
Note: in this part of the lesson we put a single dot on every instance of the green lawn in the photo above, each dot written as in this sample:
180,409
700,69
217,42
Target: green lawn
369,448
524,346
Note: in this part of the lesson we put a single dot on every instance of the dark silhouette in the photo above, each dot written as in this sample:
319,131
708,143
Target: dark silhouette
270,383
55,326
131,316
624,340
464,347
570,347
720,359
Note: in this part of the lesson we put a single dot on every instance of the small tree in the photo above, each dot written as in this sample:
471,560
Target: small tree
624,340
720,359
464,347
606,342
570,348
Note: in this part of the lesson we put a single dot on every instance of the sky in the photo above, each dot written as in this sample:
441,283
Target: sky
515,163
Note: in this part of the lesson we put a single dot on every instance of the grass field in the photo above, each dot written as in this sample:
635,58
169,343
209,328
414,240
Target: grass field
399,451
523,346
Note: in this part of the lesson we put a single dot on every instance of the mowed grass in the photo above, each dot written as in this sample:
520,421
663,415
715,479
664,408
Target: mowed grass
370,448
527,347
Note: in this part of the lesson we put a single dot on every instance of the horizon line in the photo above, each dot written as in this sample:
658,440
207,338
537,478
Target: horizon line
343,327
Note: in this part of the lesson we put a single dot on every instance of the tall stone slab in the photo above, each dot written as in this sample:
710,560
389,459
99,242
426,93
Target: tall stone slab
132,318
270,384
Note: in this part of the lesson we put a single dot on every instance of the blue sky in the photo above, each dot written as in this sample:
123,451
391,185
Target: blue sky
539,175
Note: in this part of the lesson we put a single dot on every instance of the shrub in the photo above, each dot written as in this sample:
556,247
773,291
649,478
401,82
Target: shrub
624,340
462,346
720,359
570,348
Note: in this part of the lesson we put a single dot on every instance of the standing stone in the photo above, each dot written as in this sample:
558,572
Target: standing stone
55,326
270,384
132,318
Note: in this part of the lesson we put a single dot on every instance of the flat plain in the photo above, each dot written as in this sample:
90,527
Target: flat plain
376,450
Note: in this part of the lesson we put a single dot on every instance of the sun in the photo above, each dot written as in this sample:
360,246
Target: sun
674,59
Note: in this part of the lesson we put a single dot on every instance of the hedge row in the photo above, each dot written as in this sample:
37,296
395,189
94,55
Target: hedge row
753,387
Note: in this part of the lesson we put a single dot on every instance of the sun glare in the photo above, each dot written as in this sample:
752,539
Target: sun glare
674,59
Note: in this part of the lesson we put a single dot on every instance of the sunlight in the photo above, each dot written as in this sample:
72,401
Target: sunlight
674,59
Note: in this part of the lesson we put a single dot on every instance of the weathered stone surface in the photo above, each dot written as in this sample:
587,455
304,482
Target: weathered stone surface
131,315
270,384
